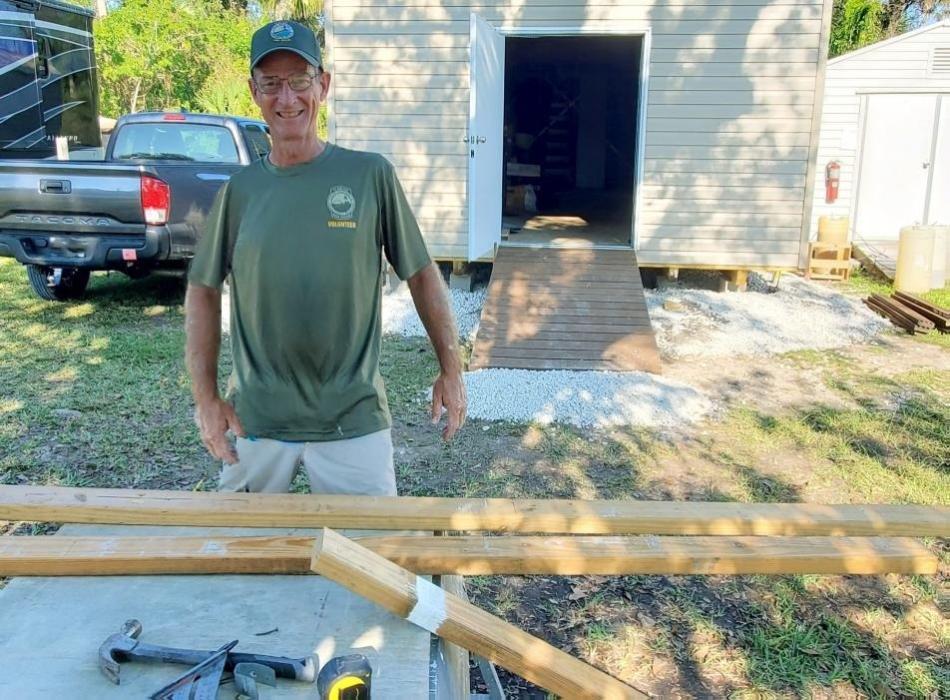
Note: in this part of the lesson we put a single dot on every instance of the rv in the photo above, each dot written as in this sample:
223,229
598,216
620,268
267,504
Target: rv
48,86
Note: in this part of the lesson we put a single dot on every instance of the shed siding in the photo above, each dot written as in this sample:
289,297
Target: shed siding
729,113
899,66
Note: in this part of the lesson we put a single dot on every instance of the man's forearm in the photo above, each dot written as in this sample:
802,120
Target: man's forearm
203,340
432,303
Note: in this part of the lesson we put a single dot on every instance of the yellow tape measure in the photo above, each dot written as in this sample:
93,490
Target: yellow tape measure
345,678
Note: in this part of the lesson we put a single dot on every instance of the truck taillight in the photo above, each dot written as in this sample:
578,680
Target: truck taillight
156,200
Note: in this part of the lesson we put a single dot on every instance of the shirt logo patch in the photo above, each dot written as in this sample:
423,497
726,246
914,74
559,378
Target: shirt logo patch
342,204
282,32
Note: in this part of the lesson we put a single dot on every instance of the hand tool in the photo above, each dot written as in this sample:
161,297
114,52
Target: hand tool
345,678
124,645
247,676
200,682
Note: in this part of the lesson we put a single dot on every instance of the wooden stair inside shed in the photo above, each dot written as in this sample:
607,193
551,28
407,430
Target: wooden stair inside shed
565,308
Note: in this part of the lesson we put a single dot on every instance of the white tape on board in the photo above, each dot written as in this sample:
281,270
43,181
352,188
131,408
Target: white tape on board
429,610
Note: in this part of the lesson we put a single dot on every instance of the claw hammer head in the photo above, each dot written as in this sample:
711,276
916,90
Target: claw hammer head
112,651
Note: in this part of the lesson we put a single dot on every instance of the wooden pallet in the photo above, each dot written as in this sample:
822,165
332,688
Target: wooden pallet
828,261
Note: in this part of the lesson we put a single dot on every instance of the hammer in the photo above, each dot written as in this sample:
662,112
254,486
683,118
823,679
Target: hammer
125,646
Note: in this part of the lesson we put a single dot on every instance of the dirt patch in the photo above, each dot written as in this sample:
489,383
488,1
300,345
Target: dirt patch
778,383
700,637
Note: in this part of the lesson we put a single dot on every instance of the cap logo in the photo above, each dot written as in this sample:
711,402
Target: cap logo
282,31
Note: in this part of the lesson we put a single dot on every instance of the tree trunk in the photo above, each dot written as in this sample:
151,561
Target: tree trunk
135,96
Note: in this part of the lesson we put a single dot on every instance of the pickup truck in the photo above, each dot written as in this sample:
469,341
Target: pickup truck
140,209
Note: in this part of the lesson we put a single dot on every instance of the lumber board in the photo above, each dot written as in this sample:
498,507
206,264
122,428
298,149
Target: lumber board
405,594
470,555
153,507
941,322
535,331
896,305
920,301
897,311
457,661
646,364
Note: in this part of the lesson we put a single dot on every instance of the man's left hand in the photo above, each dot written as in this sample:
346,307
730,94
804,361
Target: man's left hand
448,391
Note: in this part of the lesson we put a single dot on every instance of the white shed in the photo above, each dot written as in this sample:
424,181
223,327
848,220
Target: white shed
683,129
886,120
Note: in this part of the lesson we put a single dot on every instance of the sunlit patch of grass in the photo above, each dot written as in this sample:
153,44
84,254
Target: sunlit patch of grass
78,311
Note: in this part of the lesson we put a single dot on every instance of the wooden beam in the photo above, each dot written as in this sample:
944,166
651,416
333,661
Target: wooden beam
128,507
405,594
469,555
457,662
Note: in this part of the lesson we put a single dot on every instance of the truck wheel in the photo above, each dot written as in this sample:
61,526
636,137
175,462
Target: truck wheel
70,283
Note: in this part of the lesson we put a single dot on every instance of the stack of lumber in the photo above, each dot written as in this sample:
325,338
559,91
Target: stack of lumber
938,315
910,312
577,538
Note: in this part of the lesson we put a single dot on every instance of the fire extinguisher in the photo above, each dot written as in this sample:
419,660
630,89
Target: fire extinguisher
832,179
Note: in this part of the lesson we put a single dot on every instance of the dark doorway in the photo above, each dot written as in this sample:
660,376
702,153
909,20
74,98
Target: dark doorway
571,114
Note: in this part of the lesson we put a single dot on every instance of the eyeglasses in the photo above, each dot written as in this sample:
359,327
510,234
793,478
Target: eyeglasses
298,83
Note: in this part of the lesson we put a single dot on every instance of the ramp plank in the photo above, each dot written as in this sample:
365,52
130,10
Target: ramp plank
534,293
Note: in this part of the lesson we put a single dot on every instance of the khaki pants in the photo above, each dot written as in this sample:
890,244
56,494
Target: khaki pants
361,465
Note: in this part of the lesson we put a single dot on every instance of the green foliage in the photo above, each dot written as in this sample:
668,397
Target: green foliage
855,23
858,23
170,54
227,92
305,11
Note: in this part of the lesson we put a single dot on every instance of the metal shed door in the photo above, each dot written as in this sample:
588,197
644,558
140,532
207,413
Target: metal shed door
895,163
938,201
485,132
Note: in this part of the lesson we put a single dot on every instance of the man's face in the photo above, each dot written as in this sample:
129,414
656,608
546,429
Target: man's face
291,115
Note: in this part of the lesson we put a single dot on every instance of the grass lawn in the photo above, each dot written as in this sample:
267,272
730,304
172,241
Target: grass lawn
95,394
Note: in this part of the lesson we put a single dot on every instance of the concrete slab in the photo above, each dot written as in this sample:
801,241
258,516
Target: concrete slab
464,282
51,628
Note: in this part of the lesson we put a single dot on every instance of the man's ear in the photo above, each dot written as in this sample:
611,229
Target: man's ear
325,84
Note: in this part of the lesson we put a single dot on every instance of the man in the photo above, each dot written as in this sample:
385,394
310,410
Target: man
300,236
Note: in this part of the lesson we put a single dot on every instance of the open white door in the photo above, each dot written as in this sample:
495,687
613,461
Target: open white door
485,133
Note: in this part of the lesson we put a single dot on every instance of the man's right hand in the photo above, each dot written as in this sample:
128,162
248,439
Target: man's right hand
215,418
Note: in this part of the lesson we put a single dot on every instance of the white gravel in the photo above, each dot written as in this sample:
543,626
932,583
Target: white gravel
585,399
400,317
800,315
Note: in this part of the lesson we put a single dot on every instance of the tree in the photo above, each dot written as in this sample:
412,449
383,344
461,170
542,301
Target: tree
160,54
857,23
304,11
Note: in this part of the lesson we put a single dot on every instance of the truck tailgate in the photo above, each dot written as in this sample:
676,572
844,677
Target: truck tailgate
71,197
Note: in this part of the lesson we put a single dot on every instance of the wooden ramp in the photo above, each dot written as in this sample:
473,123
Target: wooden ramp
878,257
567,308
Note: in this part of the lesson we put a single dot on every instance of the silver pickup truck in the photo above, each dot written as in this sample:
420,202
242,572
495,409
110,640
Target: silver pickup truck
140,209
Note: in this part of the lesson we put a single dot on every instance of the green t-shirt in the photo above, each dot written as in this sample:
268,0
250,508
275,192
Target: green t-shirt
301,247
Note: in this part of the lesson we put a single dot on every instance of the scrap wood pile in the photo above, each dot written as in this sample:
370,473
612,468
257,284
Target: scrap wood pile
910,312
577,537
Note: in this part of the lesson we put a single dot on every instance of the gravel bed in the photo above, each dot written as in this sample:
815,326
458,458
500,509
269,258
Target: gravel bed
400,317
800,315
399,313
584,399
